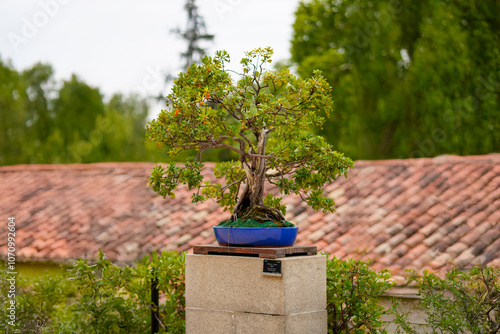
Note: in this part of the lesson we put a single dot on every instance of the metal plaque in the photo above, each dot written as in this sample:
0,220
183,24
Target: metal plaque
272,267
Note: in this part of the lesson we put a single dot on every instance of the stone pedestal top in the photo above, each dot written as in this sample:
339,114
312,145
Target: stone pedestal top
265,252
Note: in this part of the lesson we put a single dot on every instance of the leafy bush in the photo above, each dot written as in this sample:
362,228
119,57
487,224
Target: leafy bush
38,301
110,298
463,302
100,298
353,292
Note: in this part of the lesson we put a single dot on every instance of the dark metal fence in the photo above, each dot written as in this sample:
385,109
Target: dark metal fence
155,312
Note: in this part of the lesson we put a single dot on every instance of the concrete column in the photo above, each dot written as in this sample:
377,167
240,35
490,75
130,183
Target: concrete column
231,294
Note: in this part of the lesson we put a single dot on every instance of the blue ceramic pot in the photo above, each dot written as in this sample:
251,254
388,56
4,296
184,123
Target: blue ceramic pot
256,236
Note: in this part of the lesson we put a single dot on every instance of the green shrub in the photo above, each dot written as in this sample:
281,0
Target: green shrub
463,302
38,302
353,292
99,297
110,299
118,300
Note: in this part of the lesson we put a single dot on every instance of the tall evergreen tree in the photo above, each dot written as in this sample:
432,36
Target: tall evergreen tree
194,34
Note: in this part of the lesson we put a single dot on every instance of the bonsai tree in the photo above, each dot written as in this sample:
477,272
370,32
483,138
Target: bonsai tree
266,118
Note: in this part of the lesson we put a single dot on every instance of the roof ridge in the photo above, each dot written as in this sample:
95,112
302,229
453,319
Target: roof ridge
440,159
492,157
89,166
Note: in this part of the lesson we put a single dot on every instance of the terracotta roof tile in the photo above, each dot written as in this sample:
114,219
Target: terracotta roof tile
414,240
417,213
396,240
401,250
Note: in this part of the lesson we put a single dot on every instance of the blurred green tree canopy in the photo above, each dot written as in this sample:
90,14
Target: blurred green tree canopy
410,78
43,121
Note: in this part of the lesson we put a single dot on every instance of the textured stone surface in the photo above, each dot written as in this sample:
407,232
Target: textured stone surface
250,323
312,322
232,283
236,283
234,289
200,321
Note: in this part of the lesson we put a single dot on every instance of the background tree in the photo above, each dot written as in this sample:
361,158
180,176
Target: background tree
13,114
124,126
43,124
194,34
45,121
410,78
39,115
76,109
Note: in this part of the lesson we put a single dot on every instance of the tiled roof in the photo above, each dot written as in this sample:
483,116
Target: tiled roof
417,213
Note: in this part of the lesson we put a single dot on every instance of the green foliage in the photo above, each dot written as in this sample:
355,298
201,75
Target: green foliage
76,108
163,181
463,302
109,298
123,129
116,299
13,113
401,319
411,78
169,271
265,118
353,292
39,302
274,202
47,122
100,298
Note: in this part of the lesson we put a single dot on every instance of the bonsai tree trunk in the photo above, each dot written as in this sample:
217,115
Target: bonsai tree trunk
251,201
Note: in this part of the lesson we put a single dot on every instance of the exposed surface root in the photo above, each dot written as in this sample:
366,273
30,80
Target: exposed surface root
259,213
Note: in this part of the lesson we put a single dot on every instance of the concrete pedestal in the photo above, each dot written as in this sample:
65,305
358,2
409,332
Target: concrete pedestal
230,294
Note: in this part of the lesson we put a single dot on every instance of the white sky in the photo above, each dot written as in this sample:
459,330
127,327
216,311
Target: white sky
122,45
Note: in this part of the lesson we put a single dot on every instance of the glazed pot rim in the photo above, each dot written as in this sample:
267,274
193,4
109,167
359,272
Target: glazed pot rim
254,228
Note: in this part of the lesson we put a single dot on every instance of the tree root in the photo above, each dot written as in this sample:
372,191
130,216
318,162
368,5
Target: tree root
260,213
